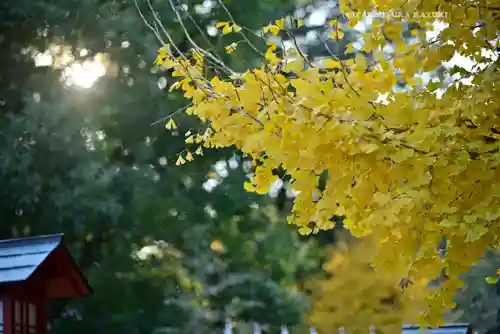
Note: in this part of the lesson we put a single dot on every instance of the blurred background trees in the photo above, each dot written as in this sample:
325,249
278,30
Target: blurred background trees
356,296
479,302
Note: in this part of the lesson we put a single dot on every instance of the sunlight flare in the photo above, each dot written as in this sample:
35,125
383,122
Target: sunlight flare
84,74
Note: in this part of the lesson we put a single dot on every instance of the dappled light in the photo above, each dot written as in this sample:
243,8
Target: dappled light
81,74
84,74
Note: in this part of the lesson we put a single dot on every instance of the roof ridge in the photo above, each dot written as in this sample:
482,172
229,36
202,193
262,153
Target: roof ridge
46,236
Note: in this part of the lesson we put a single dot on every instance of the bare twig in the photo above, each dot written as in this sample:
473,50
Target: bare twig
203,86
302,54
169,37
171,115
155,31
216,60
200,30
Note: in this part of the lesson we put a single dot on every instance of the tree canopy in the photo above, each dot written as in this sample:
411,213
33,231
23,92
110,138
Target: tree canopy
416,168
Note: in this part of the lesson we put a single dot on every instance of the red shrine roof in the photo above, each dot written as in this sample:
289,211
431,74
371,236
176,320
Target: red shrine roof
45,260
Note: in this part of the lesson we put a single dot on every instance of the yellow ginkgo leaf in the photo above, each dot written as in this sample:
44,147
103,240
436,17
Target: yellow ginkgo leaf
402,155
369,147
276,27
231,47
199,151
190,110
174,86
491,280
248,186
236,28
162,56
331,63
361,62
220,25
180,160
189,156
217,246
271,56
189,140
227,30
305,230
295,65
227,27
337,34
171,125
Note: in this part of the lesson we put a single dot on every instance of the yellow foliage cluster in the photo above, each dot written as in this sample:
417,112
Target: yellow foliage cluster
412,171
359,297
